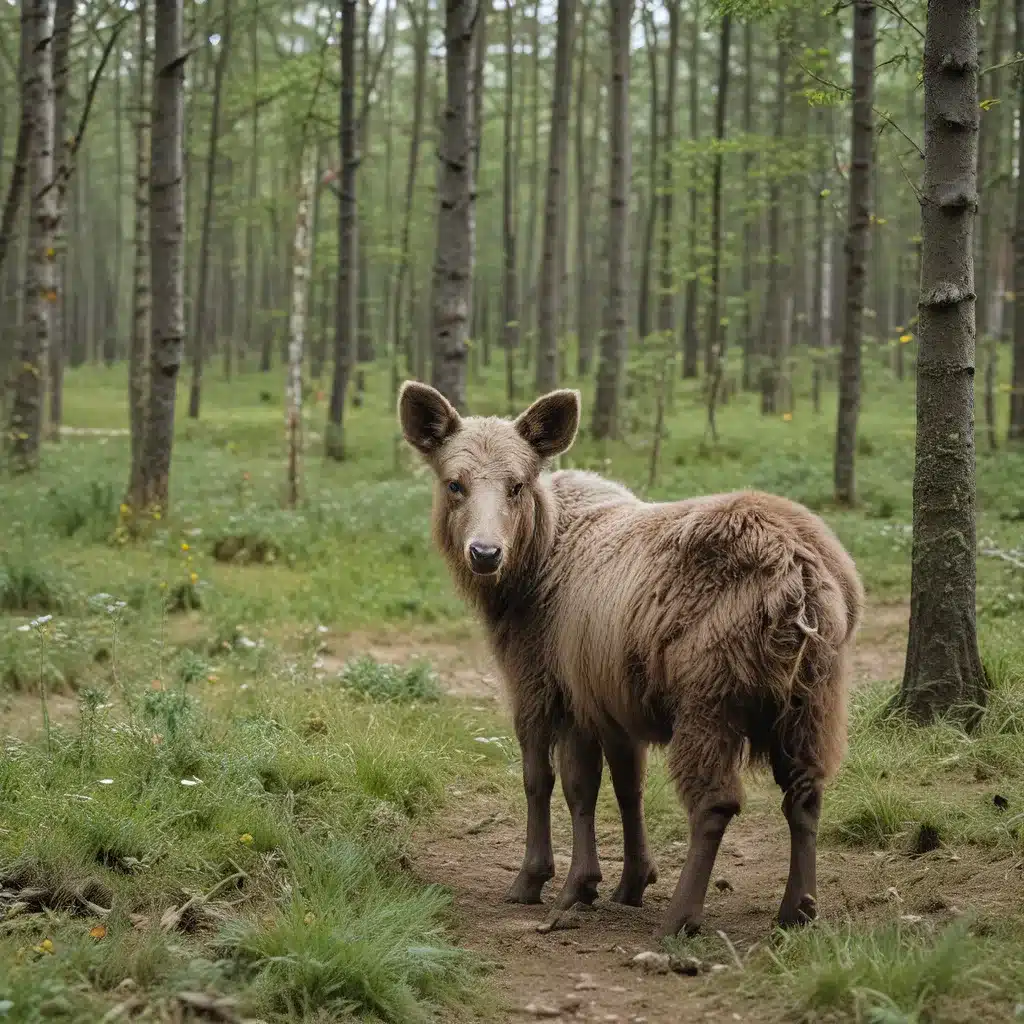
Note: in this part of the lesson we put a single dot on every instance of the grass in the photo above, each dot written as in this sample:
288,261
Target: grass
200,798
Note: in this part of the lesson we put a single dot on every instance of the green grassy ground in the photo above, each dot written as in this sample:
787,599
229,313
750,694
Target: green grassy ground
191,806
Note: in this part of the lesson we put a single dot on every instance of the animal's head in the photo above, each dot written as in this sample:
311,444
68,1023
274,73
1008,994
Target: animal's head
487,496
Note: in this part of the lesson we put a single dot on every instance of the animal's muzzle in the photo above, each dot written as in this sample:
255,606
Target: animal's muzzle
484,559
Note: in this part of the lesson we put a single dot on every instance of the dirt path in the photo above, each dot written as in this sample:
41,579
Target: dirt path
586,972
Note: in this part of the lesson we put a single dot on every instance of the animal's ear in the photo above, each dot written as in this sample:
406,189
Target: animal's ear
428,419
550,424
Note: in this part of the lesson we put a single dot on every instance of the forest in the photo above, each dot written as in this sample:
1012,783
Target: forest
259,762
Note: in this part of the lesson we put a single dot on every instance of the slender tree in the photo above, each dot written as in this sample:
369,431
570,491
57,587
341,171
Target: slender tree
666,272
200,321
549,281
1016,430
30,371
943,672
616,326
452,297
691,340
298,315
138,369
166,254
63,155
345,306
858,238
715,350
510,280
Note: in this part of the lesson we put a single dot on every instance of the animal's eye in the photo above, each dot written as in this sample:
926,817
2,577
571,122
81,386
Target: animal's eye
515,490
454,487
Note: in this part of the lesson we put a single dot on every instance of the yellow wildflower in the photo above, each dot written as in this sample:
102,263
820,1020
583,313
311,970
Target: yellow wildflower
184,546
786,417
46,946
245,838
194,578
906,339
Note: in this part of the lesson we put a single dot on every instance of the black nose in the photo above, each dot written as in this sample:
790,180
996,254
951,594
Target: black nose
484,558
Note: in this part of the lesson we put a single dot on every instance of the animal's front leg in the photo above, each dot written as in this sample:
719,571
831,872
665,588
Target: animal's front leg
538,781
628,764
580,764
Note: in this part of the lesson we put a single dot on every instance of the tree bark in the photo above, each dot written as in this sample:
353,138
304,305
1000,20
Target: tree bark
1016,429
252,218
510,281
456,235
643,315
771,350
716,346
345,305
858,239
19,168
616,328
943,673
138,368
549,280
586,172
63,155
30,370
301,260
166,253
666,274
200,325
421,39
691,340
749,229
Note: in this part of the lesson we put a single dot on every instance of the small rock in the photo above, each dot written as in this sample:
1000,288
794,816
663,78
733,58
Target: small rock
571,1002
657,963
688,965
718,968
585,984
911,918
542,1010
723,885
127,985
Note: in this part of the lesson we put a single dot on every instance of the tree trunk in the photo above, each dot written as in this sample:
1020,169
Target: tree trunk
510,282
345,305
19,167
715,346
1016,430
252,218
453,267
138,369
858,238
651,220
529,254
29,377
691,340
943,673
771,350
549,280
586,172
819,257
749,230
166,253
200,325
63,155
666,275
616,328
421,39
301,257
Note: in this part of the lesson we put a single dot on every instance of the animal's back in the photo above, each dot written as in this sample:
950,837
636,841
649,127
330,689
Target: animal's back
651,602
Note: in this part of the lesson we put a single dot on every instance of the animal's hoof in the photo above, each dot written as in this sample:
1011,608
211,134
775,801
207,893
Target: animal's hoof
688,925
631,887
803,913
526,889
577,890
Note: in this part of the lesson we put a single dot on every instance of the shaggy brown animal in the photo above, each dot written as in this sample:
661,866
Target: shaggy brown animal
715,626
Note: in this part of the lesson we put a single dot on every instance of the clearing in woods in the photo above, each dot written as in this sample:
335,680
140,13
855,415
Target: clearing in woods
257,764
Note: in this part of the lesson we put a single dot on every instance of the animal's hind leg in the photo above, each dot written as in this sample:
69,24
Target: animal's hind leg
806,747
628,764
580,765
704,757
